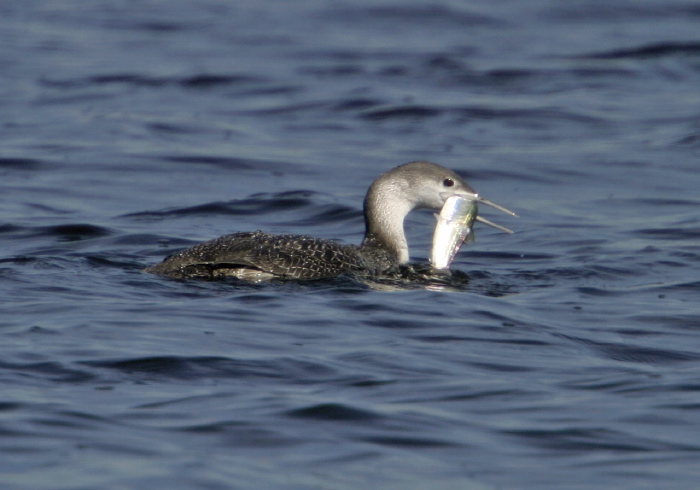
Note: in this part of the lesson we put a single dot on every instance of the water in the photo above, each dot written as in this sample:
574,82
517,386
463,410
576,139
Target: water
132,129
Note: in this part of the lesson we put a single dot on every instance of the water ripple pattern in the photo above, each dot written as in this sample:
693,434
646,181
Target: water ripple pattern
571,357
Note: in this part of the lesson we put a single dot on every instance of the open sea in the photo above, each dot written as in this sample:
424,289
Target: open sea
134,128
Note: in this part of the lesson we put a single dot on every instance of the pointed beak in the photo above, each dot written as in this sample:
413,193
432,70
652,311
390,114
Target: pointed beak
491,223
476,197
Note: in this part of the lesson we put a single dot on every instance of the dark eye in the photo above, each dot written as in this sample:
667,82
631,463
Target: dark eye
448,182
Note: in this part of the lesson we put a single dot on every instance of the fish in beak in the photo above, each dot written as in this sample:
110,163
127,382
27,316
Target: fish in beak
455,224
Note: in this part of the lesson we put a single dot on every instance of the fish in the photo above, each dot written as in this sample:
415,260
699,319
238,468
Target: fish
455,224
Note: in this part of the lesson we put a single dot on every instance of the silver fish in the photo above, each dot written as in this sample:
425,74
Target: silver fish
455,225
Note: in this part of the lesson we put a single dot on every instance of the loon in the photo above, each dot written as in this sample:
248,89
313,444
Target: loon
258,255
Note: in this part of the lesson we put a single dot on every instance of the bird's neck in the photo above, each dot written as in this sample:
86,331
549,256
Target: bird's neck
385,211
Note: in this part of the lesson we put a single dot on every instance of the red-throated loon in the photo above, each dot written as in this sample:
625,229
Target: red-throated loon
258,255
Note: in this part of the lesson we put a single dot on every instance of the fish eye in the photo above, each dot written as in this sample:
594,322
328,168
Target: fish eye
448,182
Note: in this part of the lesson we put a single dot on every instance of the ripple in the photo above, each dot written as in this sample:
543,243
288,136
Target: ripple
20,164
575,440
690,233
229,163
75,232
68,232
679,321
400,112
333,411
201,81
435,15
188,368
244,435
638,354
645,355
660,50
50,371
409,442
258,204
690,140
539,115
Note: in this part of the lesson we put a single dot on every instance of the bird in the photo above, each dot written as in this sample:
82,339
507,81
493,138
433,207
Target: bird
257,256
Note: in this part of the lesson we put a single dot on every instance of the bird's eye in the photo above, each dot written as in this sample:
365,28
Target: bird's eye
448,182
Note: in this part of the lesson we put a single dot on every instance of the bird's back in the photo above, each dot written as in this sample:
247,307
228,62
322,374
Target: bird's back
286,256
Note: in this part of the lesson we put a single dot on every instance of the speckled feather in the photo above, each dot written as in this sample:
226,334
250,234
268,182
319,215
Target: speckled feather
285,256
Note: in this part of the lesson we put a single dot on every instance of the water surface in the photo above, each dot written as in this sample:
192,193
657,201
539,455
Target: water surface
132,129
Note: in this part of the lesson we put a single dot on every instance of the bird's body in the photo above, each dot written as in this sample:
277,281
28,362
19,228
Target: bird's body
258,255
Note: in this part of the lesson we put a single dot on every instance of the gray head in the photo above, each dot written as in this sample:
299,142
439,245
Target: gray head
401,190
422,185
417,185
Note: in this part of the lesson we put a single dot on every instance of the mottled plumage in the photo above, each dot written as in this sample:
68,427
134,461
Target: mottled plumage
258,255
286,256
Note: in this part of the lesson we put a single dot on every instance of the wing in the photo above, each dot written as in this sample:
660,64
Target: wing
288,256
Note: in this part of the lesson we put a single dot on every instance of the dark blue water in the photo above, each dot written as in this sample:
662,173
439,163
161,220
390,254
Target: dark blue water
131,129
